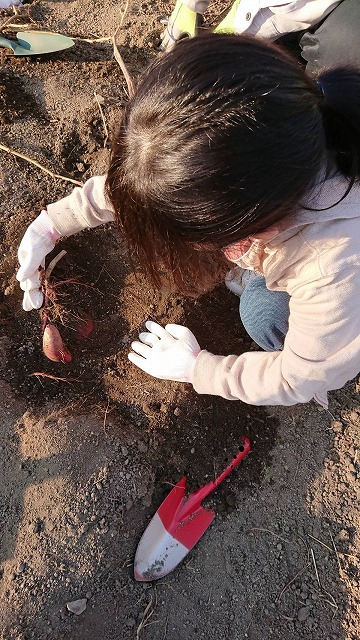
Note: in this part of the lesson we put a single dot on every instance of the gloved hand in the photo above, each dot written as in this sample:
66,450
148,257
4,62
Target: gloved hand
168,354
5,4
38,241
183,22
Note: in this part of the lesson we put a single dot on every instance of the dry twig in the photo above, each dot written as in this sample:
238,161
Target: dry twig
149,610
315,567
53,264
38,165
296,576
339,553
41,374
106,131
105,416
92,40
118,57
6,23
272,533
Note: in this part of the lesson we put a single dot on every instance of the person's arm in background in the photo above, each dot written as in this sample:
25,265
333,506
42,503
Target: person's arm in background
6,4
252,17
85,207
321,351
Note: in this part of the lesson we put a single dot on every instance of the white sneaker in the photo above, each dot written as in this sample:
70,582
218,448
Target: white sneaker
237,279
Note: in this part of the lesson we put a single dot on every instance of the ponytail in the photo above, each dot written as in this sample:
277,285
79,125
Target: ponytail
340,107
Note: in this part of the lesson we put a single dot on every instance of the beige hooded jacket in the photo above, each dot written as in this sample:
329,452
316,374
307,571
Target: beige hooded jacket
316,259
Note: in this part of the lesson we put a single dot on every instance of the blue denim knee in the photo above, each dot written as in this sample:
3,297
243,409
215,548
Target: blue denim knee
265,314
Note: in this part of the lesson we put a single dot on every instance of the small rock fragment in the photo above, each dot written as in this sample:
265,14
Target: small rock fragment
77,606
130,622
177,411
142,446
303,614
343,536
337,426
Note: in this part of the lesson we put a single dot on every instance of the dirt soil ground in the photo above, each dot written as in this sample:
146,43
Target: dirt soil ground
85,464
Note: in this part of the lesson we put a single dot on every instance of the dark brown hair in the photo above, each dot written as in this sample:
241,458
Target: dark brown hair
224,137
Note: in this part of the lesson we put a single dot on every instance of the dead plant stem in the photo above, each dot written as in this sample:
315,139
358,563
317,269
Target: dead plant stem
118,57
38,165
339,553
53,264
315,567
106,130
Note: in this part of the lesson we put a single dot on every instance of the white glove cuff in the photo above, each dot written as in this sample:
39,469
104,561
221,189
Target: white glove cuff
190,366
44,226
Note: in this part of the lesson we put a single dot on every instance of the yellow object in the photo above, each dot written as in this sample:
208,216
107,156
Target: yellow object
182,20
227,24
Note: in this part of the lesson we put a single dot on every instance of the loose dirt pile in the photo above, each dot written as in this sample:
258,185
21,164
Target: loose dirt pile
85,464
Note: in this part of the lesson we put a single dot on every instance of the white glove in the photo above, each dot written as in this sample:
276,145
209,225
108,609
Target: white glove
38,241
5,4
168,354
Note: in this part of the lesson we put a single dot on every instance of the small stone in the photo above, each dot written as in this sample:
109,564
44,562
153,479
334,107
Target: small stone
230,499
343,536
303,614
192,450
177,411
21,568
130,622
142,446
77,606
88,595
38,526
337,426
124,451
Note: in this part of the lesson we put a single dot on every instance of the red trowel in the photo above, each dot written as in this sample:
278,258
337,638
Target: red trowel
177,526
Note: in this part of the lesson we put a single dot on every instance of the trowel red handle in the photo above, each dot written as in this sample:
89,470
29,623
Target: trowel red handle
196,498
243,451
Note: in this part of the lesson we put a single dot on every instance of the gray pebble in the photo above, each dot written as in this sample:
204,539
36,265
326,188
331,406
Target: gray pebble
77,606
130,622
303,614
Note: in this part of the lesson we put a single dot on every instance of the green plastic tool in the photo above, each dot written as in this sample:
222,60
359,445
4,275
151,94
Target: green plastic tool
34,43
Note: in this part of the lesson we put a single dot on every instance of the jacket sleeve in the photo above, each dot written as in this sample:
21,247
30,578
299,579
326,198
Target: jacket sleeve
321,350
282,18
85,207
